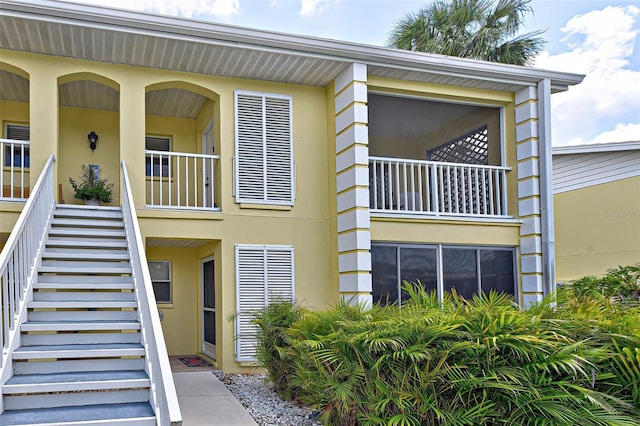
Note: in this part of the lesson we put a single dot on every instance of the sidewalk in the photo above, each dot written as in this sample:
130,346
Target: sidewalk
205,401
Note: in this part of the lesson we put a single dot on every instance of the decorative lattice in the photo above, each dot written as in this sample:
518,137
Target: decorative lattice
472,148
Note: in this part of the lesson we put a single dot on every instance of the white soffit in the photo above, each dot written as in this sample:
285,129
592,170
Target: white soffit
125,37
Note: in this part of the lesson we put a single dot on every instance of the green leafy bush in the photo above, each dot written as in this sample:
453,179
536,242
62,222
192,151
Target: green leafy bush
622,282
90,187
463,362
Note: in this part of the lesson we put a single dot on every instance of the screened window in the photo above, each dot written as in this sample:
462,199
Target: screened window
468,270
156,162
160,271
264,167
264,274
17,154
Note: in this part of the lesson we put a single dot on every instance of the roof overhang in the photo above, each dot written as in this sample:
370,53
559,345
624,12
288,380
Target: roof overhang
597,147
149,40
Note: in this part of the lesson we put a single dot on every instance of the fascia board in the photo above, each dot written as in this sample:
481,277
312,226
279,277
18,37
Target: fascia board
211,33
600,147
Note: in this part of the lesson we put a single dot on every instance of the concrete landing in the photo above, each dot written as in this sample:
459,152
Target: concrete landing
205,401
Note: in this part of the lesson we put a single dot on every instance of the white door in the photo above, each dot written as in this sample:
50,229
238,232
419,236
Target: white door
208,308
207,148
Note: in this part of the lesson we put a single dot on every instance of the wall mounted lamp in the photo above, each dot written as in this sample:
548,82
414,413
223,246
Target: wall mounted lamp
93,138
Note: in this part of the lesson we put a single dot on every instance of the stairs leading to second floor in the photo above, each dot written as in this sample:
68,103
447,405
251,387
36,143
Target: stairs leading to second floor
81,360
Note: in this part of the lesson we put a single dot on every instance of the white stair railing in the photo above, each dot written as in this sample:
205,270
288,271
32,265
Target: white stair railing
163,397
181,180
407,186
14,177
19,259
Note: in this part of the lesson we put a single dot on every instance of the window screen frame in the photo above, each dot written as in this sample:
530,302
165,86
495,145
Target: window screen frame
165,160
22,155
168,281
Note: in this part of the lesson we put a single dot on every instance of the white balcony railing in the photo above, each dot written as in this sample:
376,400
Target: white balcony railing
163,397
434,188
14,163
180,180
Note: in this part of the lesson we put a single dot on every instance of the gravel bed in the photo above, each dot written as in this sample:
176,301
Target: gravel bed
265,406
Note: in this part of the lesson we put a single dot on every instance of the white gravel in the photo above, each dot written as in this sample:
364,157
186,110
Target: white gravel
264,405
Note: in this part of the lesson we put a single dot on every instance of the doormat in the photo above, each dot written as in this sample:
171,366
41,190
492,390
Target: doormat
194,361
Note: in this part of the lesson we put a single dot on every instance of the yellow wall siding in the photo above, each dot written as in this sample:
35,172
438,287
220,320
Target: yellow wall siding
597,228
179,325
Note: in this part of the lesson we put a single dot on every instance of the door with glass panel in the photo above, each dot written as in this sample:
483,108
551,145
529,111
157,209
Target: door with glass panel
208,308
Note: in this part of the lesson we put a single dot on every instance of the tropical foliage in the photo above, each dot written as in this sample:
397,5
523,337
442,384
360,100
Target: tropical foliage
622,282
459,362
476,29
91,187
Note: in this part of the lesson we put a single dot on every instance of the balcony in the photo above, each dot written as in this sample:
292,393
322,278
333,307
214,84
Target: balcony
14,177
178,180
417,187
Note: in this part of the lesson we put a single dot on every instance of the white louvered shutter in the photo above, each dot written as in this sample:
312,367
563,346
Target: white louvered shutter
264,149
263,274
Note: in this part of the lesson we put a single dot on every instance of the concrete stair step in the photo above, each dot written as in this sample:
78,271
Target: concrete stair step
78,279
82,316
78,365
91,213
88,263
71,338
69,402
77,381
84,286
112,350
86,222
76,296
80,304
86,255
41,326
83,242
86,232
78,269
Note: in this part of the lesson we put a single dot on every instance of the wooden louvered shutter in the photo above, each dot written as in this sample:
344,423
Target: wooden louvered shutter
263,274
264,172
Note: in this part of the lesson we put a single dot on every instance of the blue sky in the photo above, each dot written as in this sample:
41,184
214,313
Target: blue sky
598,38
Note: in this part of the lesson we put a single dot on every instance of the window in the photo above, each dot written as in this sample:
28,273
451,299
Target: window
263,274
264,167
160,271
467,269
16,153
157,163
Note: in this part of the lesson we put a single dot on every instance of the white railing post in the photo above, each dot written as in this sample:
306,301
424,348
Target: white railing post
437,188
162,394
18,261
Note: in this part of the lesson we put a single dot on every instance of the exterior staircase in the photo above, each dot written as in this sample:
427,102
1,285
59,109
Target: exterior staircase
81,360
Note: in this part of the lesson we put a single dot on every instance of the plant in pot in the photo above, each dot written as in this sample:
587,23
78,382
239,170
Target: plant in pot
90,188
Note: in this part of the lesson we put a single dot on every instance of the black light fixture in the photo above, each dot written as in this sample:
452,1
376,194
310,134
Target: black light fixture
93,138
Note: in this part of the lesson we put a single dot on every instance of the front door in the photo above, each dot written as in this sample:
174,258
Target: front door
207,148
208,309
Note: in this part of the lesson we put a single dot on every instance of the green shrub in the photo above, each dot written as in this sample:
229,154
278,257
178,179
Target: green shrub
463,362
622,282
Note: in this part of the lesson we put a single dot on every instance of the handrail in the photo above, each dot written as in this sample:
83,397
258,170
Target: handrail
19,259
408,186
181,180
163,397
16,185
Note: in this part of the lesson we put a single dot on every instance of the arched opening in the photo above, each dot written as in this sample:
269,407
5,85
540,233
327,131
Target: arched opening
182,146
88,103
15,134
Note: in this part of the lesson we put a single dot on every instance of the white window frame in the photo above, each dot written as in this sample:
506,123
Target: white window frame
243,313
169,281
236,166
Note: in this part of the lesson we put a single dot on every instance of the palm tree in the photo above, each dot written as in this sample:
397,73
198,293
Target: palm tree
476,29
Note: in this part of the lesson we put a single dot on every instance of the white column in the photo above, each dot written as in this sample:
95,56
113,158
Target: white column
352,185
529,201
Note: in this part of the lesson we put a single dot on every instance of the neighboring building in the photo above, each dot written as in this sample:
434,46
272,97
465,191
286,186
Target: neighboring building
267,165
597,208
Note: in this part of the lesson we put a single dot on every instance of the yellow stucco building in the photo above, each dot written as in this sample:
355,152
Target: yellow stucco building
267,165
597,208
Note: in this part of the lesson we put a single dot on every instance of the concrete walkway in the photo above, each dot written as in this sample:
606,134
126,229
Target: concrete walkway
205,401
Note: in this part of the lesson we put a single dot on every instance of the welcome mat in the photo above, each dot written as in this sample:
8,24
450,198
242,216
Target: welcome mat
194,361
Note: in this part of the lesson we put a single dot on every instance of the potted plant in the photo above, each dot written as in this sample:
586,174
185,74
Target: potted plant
91,188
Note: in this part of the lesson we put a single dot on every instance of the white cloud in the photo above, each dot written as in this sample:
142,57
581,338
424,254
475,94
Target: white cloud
607,102
186,8
313,7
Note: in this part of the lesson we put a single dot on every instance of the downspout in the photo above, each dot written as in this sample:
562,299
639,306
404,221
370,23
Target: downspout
546,188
